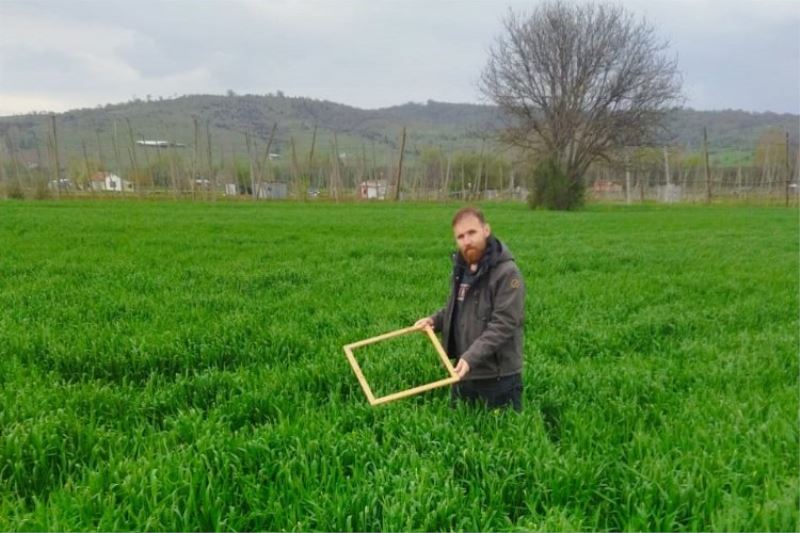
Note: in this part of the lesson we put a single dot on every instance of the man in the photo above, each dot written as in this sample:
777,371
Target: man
482,323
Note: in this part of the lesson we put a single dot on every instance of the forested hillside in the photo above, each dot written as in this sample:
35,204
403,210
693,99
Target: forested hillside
227,119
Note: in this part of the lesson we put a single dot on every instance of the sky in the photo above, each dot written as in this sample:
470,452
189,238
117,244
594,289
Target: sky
60,55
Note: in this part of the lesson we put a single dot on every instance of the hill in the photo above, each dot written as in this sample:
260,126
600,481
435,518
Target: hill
371,134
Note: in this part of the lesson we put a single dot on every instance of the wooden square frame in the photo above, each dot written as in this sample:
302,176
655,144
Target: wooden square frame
348,350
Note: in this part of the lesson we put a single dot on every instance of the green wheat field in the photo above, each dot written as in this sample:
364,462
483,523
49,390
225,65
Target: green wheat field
179,366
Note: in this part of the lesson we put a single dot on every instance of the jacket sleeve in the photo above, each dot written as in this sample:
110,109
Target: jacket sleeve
507,316
438,319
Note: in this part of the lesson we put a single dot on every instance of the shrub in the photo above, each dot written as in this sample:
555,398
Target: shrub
553,189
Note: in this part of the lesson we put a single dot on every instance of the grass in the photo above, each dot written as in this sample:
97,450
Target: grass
176,366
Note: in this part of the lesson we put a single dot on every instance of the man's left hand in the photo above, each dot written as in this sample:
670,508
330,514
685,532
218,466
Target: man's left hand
462,368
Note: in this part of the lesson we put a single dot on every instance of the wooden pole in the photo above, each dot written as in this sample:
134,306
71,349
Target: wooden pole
132,155
265,160
640,179
627,178
4,177
788,171
446,184
311,154
479,178
212,176
12,141
56,159
797,175
32,176
173,173
707,171
194,157
253,191
264,166
374,163
463,182
363,172
298,179
118,157
511,178
334,178
400,166
86,166
100,159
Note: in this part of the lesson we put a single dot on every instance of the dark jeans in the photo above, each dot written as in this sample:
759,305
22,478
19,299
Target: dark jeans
491,392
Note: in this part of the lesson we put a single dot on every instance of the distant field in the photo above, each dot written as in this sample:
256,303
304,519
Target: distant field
176,366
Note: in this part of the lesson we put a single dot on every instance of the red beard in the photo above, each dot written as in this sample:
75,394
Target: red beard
472,255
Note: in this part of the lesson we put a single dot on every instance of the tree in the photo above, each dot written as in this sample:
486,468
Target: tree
576,82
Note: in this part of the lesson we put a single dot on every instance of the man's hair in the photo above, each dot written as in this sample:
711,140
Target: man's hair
466,212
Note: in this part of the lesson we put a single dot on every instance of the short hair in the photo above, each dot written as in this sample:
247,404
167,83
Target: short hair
465,212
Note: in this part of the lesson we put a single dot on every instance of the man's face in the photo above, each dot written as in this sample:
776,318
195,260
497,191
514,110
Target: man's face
471,237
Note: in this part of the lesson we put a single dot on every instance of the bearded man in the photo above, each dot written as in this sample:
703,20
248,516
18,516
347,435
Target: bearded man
482,323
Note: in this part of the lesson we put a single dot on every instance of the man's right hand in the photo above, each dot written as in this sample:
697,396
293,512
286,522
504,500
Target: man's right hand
422,322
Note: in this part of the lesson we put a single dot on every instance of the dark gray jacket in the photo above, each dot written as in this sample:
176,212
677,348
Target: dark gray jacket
491,317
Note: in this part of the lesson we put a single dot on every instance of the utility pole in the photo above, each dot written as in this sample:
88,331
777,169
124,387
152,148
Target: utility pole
194,157
400,167
212,183
627,177
134,162
299,188
57,171
250,159
88,180
265,160
311,155
12,143
333,179
118,159
788,171
708,173
446,181
99,150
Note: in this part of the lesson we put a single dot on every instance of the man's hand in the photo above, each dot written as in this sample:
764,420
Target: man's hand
462,368
422,322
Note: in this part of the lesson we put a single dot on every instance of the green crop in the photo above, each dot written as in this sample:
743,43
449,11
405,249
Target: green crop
179,366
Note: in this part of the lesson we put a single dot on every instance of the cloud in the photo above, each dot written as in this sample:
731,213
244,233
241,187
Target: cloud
358,52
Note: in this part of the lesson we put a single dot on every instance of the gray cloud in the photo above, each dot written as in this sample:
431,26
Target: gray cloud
733,54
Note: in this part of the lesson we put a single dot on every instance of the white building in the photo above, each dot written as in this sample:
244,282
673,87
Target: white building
373,190
106,181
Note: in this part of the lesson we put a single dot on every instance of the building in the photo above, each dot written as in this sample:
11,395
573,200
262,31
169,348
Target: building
106,181
373,190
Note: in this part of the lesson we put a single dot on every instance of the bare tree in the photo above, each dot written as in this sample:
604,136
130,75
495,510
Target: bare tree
577,81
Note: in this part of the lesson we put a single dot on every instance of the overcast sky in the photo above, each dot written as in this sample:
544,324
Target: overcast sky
59,55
